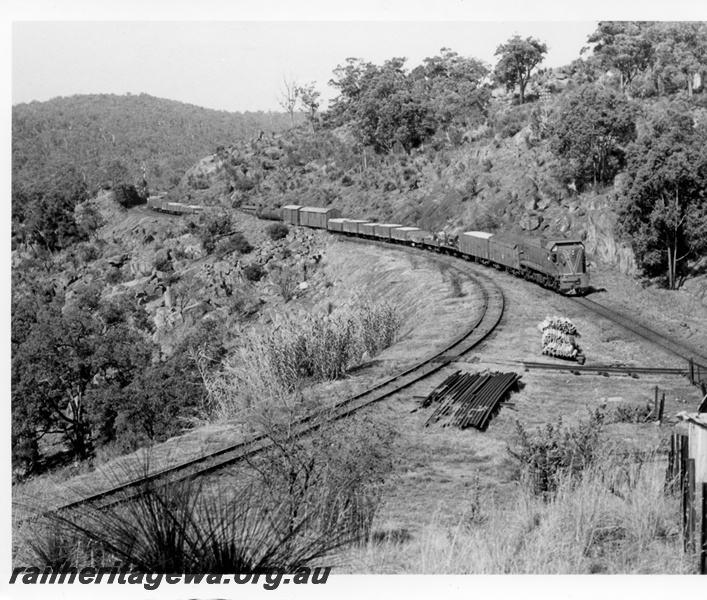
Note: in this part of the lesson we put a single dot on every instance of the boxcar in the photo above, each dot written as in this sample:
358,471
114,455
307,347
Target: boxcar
475,243
353,226
290,214
336,224
503,250
313,216
367,229
402,234
383,230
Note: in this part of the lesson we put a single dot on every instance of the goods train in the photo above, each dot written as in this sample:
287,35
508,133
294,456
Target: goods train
555,263
176,208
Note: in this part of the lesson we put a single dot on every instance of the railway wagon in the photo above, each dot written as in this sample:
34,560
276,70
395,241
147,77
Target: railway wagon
367,229
290,214
503,250
312,216
383,231
336,224
559,263
402,234
353,226
475,244
270,213
417,238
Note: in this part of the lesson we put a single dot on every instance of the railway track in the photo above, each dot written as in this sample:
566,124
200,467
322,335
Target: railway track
474,334
685,351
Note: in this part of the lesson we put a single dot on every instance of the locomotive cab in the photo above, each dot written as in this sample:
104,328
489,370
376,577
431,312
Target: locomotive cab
568,257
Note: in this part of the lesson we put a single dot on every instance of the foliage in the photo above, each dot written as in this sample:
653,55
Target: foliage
387,107
663,210
110,138
309,99
48,217
277,231
589,134
623,45
680,52
211,226
253,272
553,453
71,354
518,59
298,351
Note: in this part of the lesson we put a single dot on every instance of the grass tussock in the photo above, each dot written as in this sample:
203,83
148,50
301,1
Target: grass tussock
612,517
278,361
296,505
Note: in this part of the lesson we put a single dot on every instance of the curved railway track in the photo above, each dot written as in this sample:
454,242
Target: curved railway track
214,461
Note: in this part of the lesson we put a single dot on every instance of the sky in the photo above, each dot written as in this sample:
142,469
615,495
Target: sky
235,55
239,66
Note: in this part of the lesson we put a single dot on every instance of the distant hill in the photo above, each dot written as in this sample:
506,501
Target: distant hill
108,138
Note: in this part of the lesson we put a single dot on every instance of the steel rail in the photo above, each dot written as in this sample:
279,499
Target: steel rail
213,461
680,349
604,368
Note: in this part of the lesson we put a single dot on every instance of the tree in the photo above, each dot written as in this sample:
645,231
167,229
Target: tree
664,199
309,98
590,132
624,46
680,51
288,98
453,90
70,353
518,58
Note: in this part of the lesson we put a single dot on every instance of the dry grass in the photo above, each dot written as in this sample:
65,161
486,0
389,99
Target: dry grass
614,518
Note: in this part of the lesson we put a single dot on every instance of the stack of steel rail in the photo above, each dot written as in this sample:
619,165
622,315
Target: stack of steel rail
469,400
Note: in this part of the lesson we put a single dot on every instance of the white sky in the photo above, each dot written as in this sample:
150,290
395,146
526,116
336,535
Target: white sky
234,55
240,65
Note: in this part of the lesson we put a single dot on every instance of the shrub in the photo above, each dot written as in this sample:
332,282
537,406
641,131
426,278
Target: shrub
277,231
282,358
298,502
236,242
554,452
253,272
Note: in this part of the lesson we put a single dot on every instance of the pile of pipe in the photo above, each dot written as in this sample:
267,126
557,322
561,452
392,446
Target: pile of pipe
559,338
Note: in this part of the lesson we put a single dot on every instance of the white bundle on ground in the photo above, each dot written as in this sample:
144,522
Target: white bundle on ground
558,337
561,324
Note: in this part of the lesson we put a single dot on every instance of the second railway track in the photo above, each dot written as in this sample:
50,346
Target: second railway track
680,349
474,334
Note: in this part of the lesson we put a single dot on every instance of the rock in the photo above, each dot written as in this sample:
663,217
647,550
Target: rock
303,286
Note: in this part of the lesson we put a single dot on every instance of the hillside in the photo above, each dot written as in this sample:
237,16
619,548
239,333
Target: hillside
109,138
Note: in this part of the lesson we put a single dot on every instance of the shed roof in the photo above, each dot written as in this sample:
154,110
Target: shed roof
292,206
478,234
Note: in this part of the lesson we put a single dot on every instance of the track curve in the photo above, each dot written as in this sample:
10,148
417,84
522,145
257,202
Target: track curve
474,334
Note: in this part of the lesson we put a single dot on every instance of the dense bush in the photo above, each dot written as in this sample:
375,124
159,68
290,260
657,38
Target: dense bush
253,272
554,452
277,231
